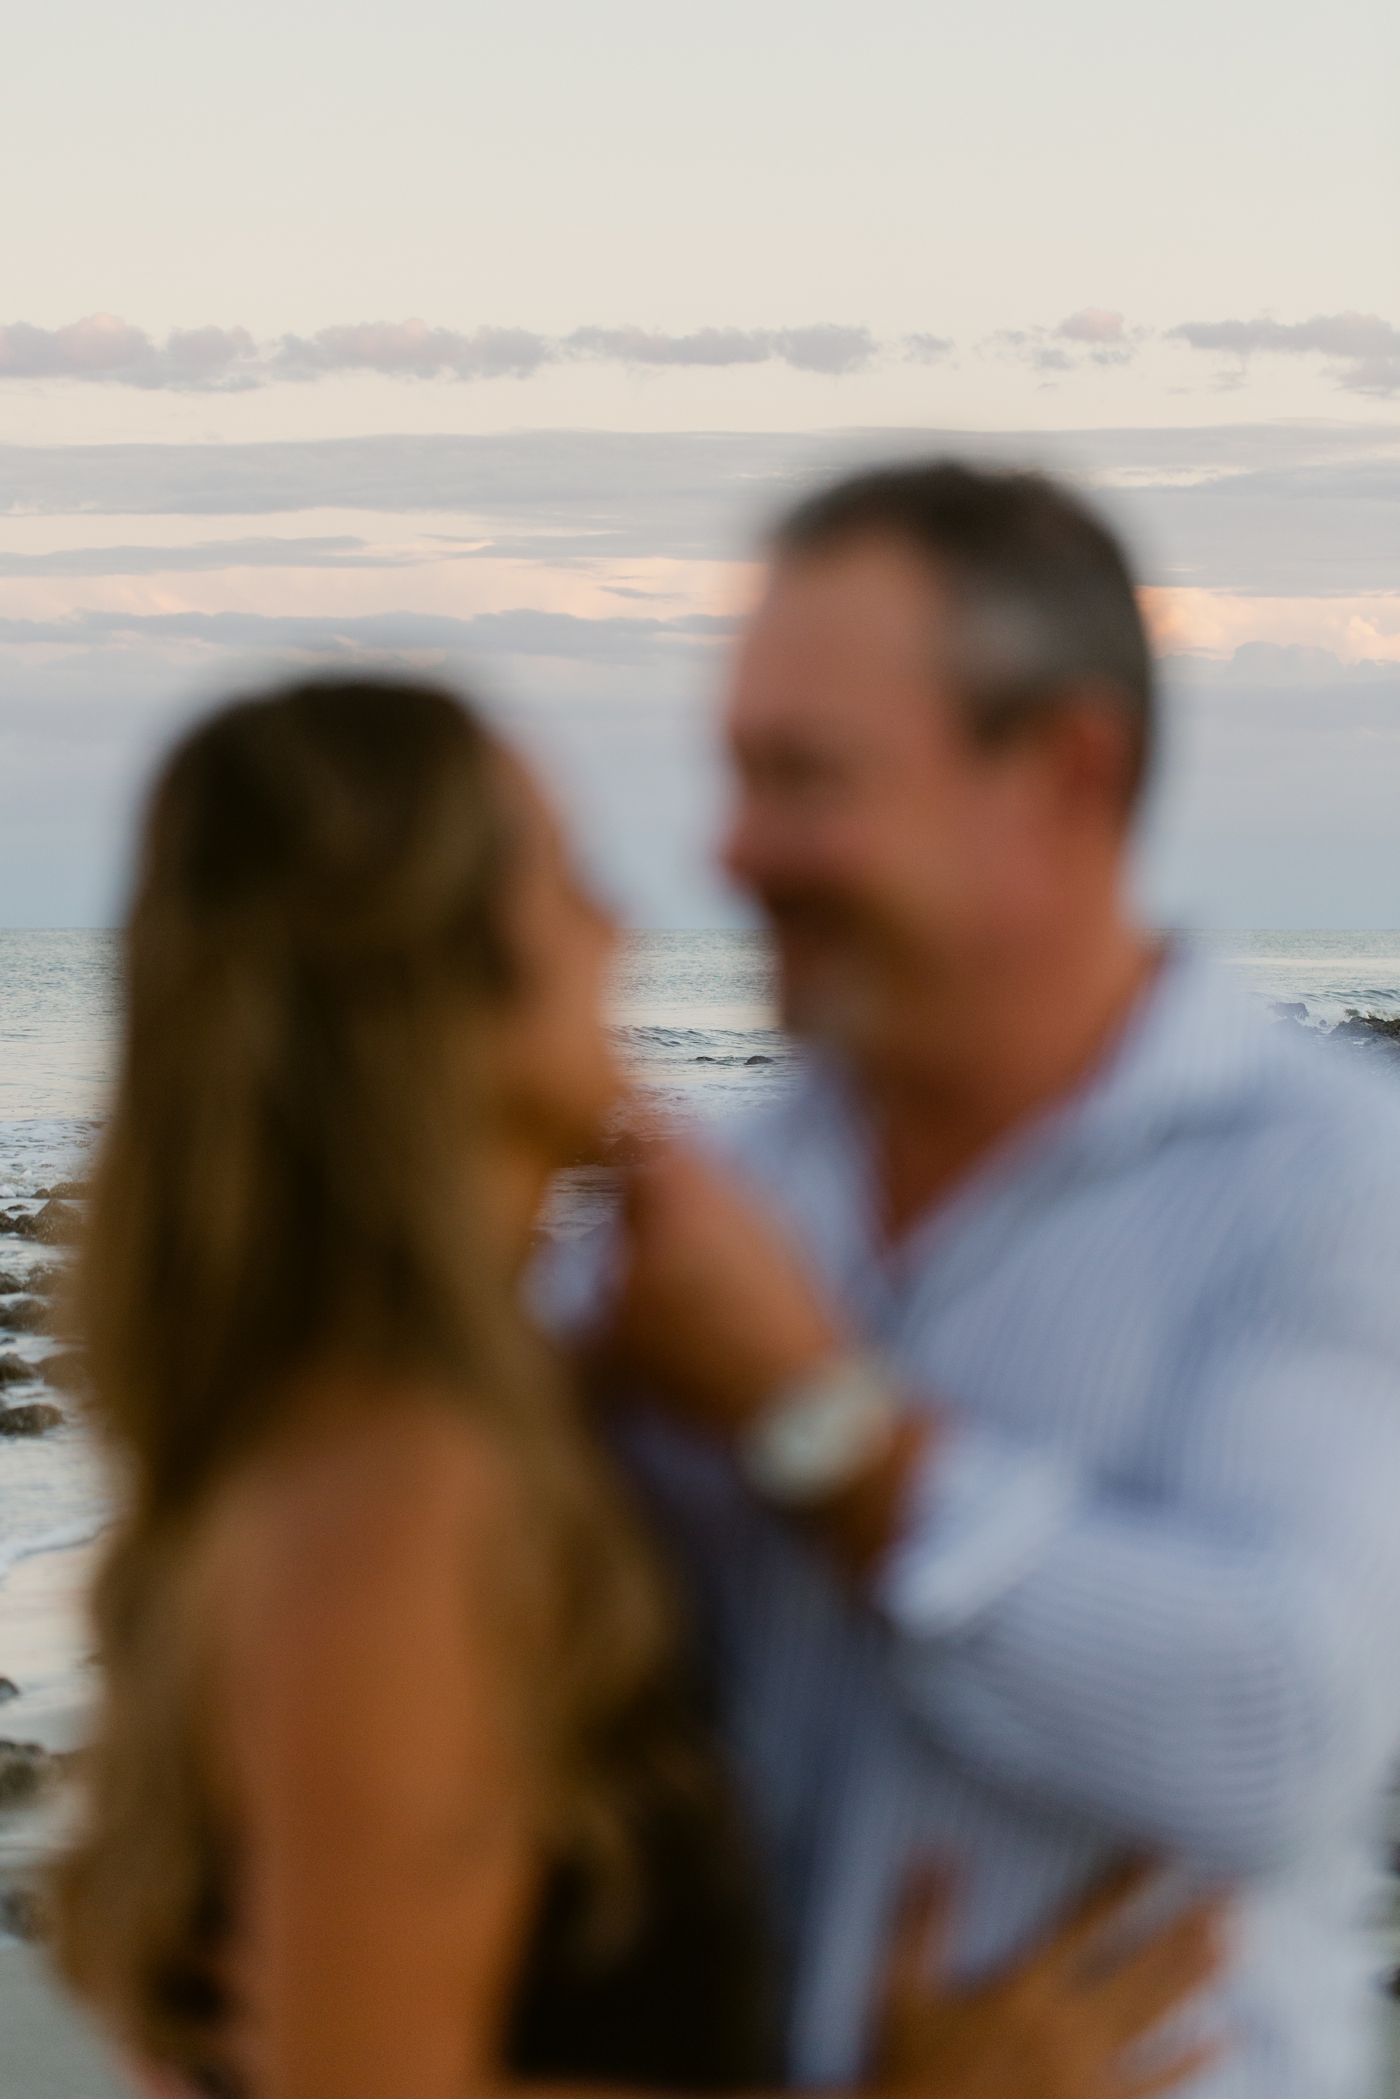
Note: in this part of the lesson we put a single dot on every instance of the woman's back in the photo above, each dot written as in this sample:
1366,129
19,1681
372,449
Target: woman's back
368,1738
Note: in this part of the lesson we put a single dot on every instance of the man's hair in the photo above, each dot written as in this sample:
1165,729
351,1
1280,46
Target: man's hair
1042,595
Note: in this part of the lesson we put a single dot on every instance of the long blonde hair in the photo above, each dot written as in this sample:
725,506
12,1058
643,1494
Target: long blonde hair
286,1177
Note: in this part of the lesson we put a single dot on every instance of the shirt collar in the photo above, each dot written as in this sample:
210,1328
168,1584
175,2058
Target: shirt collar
1192,1049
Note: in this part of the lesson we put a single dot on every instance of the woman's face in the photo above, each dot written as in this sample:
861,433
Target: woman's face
559,1077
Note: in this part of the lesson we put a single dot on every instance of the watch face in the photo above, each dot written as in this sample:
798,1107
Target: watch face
810,1446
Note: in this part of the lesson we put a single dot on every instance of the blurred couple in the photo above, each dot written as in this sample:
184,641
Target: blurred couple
988,1466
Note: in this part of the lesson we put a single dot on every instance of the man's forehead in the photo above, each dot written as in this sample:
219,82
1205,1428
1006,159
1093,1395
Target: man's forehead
862,618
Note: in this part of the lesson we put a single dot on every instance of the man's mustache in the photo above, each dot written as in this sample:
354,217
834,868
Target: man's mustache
822,913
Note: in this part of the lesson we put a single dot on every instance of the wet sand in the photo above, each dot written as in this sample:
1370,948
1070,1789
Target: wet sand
46,2049
44,1640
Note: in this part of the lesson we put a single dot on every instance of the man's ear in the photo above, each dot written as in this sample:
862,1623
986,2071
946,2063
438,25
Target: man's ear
1091,755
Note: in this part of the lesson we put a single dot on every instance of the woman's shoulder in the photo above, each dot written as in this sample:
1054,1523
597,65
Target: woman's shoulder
355,1617
372,1484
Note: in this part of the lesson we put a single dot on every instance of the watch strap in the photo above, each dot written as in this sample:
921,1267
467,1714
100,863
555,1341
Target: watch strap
818,1435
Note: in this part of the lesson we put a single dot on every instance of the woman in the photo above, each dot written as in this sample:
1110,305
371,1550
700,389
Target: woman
394,1791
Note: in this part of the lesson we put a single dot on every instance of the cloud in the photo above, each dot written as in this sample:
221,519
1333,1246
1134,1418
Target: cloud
1276,805
707,346
1094,335
1281,667
927,349
1267,509
1304,529
1093,324
1282,780
102,348
411,350
212,555
825,347
105,348
1032,346
1364,349
1307,747
525,632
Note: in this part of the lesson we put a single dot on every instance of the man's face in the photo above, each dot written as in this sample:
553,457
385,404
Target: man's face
896,859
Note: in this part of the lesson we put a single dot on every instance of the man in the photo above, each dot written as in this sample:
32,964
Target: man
1045,1409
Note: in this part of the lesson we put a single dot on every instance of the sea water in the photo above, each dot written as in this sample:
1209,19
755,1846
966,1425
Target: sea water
695,1018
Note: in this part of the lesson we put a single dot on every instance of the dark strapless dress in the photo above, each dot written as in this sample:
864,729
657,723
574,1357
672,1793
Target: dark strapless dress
686,2003
683,2006
682,2001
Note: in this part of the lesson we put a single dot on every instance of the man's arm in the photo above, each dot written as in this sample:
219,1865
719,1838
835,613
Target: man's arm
1215,1673
719,1309
1211,1679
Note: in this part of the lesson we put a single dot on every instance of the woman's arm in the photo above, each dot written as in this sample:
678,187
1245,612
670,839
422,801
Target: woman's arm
380,1770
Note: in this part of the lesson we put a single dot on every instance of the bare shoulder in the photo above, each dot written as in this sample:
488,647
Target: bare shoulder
361,1594
375,1492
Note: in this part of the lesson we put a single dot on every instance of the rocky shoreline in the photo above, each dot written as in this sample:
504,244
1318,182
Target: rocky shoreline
1356,1029
31,1311
58,1223
31,1783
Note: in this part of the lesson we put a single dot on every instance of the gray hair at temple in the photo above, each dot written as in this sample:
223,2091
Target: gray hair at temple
1044,605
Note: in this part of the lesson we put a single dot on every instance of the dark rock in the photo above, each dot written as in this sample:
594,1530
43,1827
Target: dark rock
32,1420
10,1283
25,1315
1374,1027
46,1278
758,1060
26,1770
62,1191
15,1371
8,1689
58,1224
707,1060
66,1370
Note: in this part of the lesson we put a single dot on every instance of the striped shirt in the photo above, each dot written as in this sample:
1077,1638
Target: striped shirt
1148,1592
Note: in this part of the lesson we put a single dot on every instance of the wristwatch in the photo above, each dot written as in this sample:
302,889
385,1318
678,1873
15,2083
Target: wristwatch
820,1433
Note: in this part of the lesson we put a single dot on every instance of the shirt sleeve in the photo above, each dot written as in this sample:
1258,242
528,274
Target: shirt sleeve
982,1514
1215,1670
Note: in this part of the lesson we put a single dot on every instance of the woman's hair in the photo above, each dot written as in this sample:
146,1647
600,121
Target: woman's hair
285,1184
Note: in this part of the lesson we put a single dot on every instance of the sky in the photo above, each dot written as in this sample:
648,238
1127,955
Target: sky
484,341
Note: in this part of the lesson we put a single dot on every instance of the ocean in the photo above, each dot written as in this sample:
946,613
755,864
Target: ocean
694,1011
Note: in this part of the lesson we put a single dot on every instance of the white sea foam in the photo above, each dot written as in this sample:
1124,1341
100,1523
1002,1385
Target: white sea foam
1328,973
60,1538
55,1492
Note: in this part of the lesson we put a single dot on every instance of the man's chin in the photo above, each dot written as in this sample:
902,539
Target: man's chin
827,1003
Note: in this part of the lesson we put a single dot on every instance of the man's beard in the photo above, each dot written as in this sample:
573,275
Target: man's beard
835,960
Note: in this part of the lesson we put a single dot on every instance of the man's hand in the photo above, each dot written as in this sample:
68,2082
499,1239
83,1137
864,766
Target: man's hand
719,1314
1081,2016
717,1309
